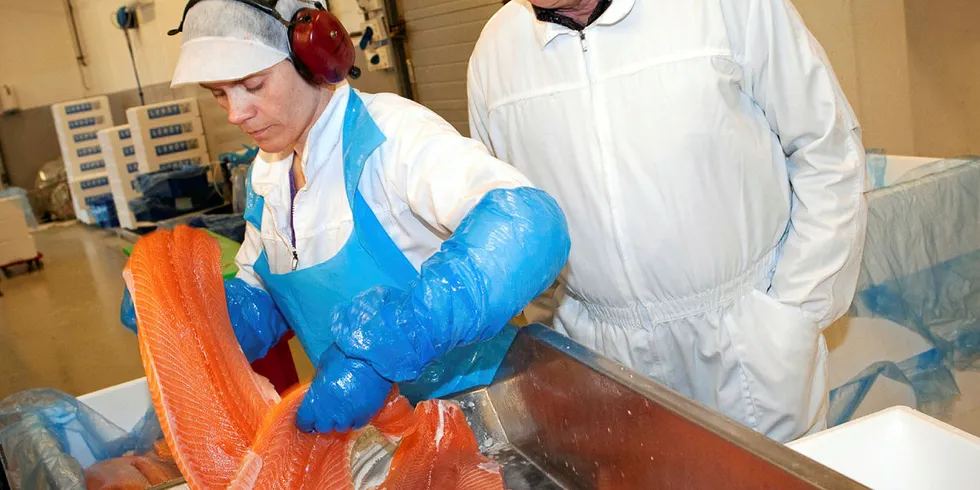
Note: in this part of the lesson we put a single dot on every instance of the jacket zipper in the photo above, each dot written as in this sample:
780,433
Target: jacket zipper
597,117
293,193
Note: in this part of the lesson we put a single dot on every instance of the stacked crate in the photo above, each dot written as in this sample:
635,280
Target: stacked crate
122,167
77,124
168,135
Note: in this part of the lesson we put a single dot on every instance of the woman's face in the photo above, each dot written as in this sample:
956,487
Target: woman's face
274,106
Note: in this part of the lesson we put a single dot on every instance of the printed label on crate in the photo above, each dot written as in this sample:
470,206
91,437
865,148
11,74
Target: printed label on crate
92,200
172,130
168,111
125,134
132,167
83,107
87,166
177,147
180,163
85,122
88,151
80,137
129,151
94,183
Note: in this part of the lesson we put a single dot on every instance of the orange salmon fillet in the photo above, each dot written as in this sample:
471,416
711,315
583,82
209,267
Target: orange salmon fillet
129,473
441,452
226,426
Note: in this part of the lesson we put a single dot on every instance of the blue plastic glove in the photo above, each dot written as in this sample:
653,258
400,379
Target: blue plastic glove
508,250
345,394
257,322
127,311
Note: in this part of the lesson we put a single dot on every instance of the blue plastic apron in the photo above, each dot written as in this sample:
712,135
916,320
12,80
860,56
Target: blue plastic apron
369,258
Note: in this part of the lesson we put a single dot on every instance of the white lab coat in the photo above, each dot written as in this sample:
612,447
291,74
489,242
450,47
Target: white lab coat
420,183
711,171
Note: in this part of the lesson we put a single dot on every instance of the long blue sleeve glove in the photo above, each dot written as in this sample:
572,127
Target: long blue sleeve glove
257,322
508,250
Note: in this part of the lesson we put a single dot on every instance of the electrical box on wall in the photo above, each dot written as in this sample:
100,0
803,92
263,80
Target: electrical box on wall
376,44
9,102
378,58
371,5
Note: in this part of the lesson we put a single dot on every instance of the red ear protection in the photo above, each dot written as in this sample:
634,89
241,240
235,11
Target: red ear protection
320,47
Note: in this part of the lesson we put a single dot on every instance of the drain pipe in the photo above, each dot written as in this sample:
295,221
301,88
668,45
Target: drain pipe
79,54
398,36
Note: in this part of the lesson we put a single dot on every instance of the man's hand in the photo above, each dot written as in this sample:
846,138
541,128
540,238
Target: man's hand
346,394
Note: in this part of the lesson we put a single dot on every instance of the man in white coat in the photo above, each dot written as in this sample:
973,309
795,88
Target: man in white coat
712,173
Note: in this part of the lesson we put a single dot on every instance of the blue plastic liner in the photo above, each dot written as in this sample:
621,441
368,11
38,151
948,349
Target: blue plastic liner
877,163
230,226
191,181
103,211
49,437
921,270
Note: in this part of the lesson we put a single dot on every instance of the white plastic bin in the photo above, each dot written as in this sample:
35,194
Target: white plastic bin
898,449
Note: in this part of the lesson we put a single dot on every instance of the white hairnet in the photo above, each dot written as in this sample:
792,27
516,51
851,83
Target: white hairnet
229,40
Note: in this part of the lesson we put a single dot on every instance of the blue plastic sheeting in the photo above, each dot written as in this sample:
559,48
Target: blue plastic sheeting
25,204
928,374
241,157
230,226
170,184
103,211
876,164
48,437
921,270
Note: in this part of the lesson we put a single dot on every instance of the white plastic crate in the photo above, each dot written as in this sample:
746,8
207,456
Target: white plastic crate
81,169
77,124
87,189
161,114
78,110
177,160
122,167
82,123
897,449
152,139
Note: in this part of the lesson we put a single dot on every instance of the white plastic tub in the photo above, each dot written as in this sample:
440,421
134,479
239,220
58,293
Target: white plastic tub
898,449
124,404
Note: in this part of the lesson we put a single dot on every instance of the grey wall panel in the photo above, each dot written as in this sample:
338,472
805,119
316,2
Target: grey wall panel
441,37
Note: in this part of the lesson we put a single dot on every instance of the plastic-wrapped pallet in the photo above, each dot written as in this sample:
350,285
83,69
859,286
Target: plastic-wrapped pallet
16,241
77,124
167,133
122,168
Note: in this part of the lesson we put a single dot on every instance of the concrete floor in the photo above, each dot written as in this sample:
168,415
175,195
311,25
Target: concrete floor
59,327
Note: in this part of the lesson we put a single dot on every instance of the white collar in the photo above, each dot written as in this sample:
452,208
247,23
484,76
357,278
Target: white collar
547,31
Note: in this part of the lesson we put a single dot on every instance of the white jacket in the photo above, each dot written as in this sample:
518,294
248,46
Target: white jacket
421,182
692,144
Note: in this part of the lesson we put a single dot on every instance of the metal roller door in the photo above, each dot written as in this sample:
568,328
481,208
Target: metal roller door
441,36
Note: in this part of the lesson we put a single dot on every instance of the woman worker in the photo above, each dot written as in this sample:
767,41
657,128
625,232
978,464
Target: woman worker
393,247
